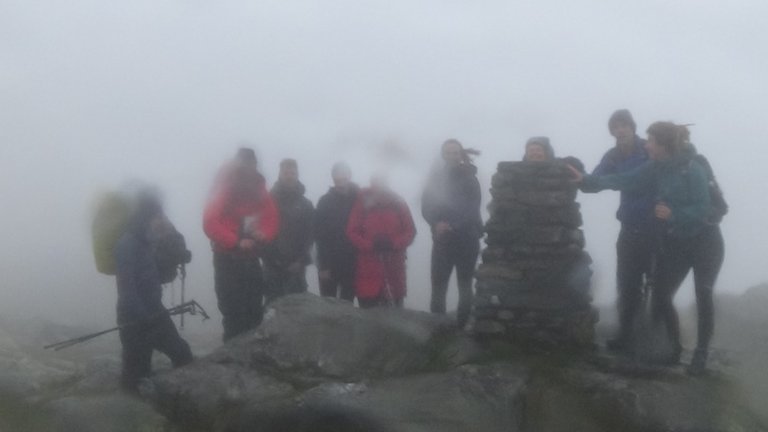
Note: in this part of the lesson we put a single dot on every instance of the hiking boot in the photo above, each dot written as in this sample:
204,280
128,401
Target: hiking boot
698,364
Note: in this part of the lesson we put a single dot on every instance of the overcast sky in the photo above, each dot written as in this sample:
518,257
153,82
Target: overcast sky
94,93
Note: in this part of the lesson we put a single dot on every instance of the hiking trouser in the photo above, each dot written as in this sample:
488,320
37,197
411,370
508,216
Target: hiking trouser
633,257
279,281
140,340
340,283
461,254
239,290
703,254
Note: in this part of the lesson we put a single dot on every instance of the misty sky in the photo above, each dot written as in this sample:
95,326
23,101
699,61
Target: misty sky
95,93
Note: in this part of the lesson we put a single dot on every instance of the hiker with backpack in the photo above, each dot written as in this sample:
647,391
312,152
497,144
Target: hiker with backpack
634,245
682,207
144,323
287,257
450,204
335,253
381,228
240,219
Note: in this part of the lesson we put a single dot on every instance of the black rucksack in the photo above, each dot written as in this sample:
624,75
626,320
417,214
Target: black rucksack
170,254
718,206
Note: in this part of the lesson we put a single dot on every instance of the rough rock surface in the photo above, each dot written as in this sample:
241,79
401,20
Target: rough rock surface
273,379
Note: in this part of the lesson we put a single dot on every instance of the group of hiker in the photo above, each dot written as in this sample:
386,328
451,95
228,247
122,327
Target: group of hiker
262,239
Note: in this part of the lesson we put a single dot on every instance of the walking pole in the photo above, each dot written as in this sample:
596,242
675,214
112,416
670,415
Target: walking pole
183,276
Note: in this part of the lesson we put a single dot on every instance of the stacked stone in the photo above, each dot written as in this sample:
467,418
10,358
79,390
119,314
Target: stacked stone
533,284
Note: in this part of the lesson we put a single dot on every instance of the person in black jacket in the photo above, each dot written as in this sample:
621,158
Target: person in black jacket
451,206
335,253
287,257
145,324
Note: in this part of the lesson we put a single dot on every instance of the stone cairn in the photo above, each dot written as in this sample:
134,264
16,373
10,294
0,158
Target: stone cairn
533,284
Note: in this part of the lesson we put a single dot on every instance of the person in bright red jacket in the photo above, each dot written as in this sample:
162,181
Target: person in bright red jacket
240,218
381,228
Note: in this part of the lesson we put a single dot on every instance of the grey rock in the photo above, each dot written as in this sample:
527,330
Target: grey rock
104,413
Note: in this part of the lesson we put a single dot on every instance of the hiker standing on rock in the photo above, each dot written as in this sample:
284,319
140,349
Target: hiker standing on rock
681,209
335,253
634,245
240,219
381,228
451,206
287,257
145,324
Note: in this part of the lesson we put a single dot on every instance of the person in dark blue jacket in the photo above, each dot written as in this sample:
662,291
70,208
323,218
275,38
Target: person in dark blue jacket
145,324
634,245
451,206
336,256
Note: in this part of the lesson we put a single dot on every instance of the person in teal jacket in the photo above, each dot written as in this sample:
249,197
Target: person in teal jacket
682,206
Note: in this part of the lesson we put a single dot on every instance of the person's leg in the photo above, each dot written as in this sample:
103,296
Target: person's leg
632,259
367,303
275,282
673,265
466,261
226,283
346,279
328,285
136,356
253,294
296,282
166,339
441,268
708,259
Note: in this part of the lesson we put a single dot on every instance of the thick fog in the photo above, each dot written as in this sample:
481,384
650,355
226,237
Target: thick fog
94,94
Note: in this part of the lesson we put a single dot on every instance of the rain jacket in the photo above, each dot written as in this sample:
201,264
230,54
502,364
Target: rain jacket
380,228
452,195
680,182
224,218
334,249
635,206
294,239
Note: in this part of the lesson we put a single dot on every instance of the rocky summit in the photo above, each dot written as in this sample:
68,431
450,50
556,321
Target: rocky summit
320,364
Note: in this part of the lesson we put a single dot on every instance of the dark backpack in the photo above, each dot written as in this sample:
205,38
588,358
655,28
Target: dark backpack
170,254
718,205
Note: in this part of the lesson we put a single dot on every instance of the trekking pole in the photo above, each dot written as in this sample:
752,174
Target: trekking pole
191,307
183,277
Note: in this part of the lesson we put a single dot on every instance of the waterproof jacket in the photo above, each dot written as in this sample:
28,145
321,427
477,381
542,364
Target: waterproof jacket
294,240
680,182
139,291
452,195
334,249
225,217
380,218
635,206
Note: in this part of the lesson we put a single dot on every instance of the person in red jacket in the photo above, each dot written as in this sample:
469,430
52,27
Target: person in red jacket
380,227
240,218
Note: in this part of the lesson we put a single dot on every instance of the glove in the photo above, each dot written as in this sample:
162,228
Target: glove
382,244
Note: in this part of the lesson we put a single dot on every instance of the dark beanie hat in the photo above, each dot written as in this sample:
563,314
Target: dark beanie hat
622,116
246,155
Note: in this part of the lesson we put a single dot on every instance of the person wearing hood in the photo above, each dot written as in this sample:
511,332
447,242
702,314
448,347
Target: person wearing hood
240,219
680,215
634,245
380,228
335,252
450,204
145,324
539,149
287,258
